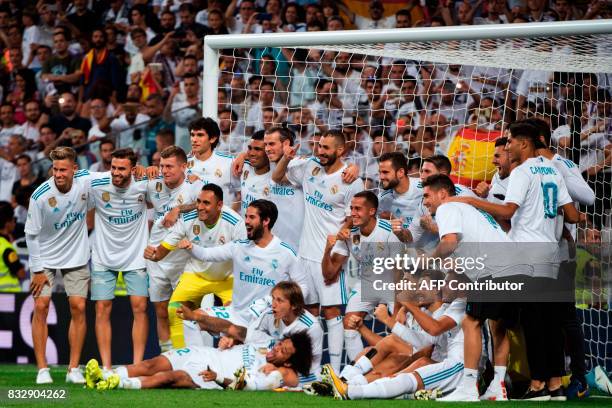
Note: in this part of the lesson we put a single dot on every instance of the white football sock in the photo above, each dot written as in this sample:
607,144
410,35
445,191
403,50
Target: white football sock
500,374
335,341
352,343
130,383
470,378
122,372
363,364
404,383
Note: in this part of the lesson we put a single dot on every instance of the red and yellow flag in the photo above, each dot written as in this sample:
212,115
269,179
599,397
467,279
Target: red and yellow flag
88,60
471,153
148,85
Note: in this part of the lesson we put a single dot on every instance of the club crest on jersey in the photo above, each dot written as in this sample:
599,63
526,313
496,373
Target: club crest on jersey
218,173
158,187
334,189
190,164
140,198
106,196
356,239
245,174
180,199
196,229
53,203
247,259
274,264
316,171
266,191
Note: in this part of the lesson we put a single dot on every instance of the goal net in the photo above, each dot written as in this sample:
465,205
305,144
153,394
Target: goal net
424,92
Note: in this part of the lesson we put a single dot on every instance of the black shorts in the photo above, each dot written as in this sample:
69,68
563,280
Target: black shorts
508,312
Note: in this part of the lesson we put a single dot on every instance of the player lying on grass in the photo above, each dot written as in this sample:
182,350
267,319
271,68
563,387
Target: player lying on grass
441,371
257,368
274,317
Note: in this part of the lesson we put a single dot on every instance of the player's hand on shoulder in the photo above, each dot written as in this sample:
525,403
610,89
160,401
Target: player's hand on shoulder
192,178
482,189
171,217
428,223
351,173
151,172
344,234
238,164
226,343
185,244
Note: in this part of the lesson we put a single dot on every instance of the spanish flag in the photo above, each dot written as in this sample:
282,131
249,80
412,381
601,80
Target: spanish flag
88,61
471,153
148,84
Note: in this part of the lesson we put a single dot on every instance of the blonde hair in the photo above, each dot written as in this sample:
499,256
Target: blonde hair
63,153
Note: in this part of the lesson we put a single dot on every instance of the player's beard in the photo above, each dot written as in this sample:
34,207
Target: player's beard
331,159
256,233
390,184
122,182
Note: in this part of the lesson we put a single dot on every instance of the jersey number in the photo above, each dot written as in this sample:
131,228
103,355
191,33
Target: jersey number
222,315
183,351
550,199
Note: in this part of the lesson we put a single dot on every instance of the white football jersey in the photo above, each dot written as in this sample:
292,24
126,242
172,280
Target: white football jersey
362,247
289,200
217,169
121,232
478,229
59,222
404,205
497,192
266,330
165,199
229,227
449,345
253,186
538,189
256,270
327,203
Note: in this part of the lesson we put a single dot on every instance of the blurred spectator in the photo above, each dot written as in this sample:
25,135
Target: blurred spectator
376,18
107,146
34,119
28,179
183,108
164,138
17,146
8,176
25,90
11,268
100,118
536,13
154,107
67,116
83,19
9,126
62,70
188,23
237,23
129,126
100,67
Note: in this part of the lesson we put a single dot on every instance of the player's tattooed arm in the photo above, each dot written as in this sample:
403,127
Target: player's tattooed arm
331,264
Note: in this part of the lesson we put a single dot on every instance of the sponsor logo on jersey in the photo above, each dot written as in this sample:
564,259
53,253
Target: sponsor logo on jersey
158,187
334,189
245,174
316,171
196,229
106,196
218,173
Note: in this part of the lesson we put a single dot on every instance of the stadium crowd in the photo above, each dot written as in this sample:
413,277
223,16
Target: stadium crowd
262,206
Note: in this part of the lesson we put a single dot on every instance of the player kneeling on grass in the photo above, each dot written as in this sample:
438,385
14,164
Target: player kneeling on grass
241,367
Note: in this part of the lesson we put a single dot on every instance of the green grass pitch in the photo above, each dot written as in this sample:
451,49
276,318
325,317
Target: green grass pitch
23,376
